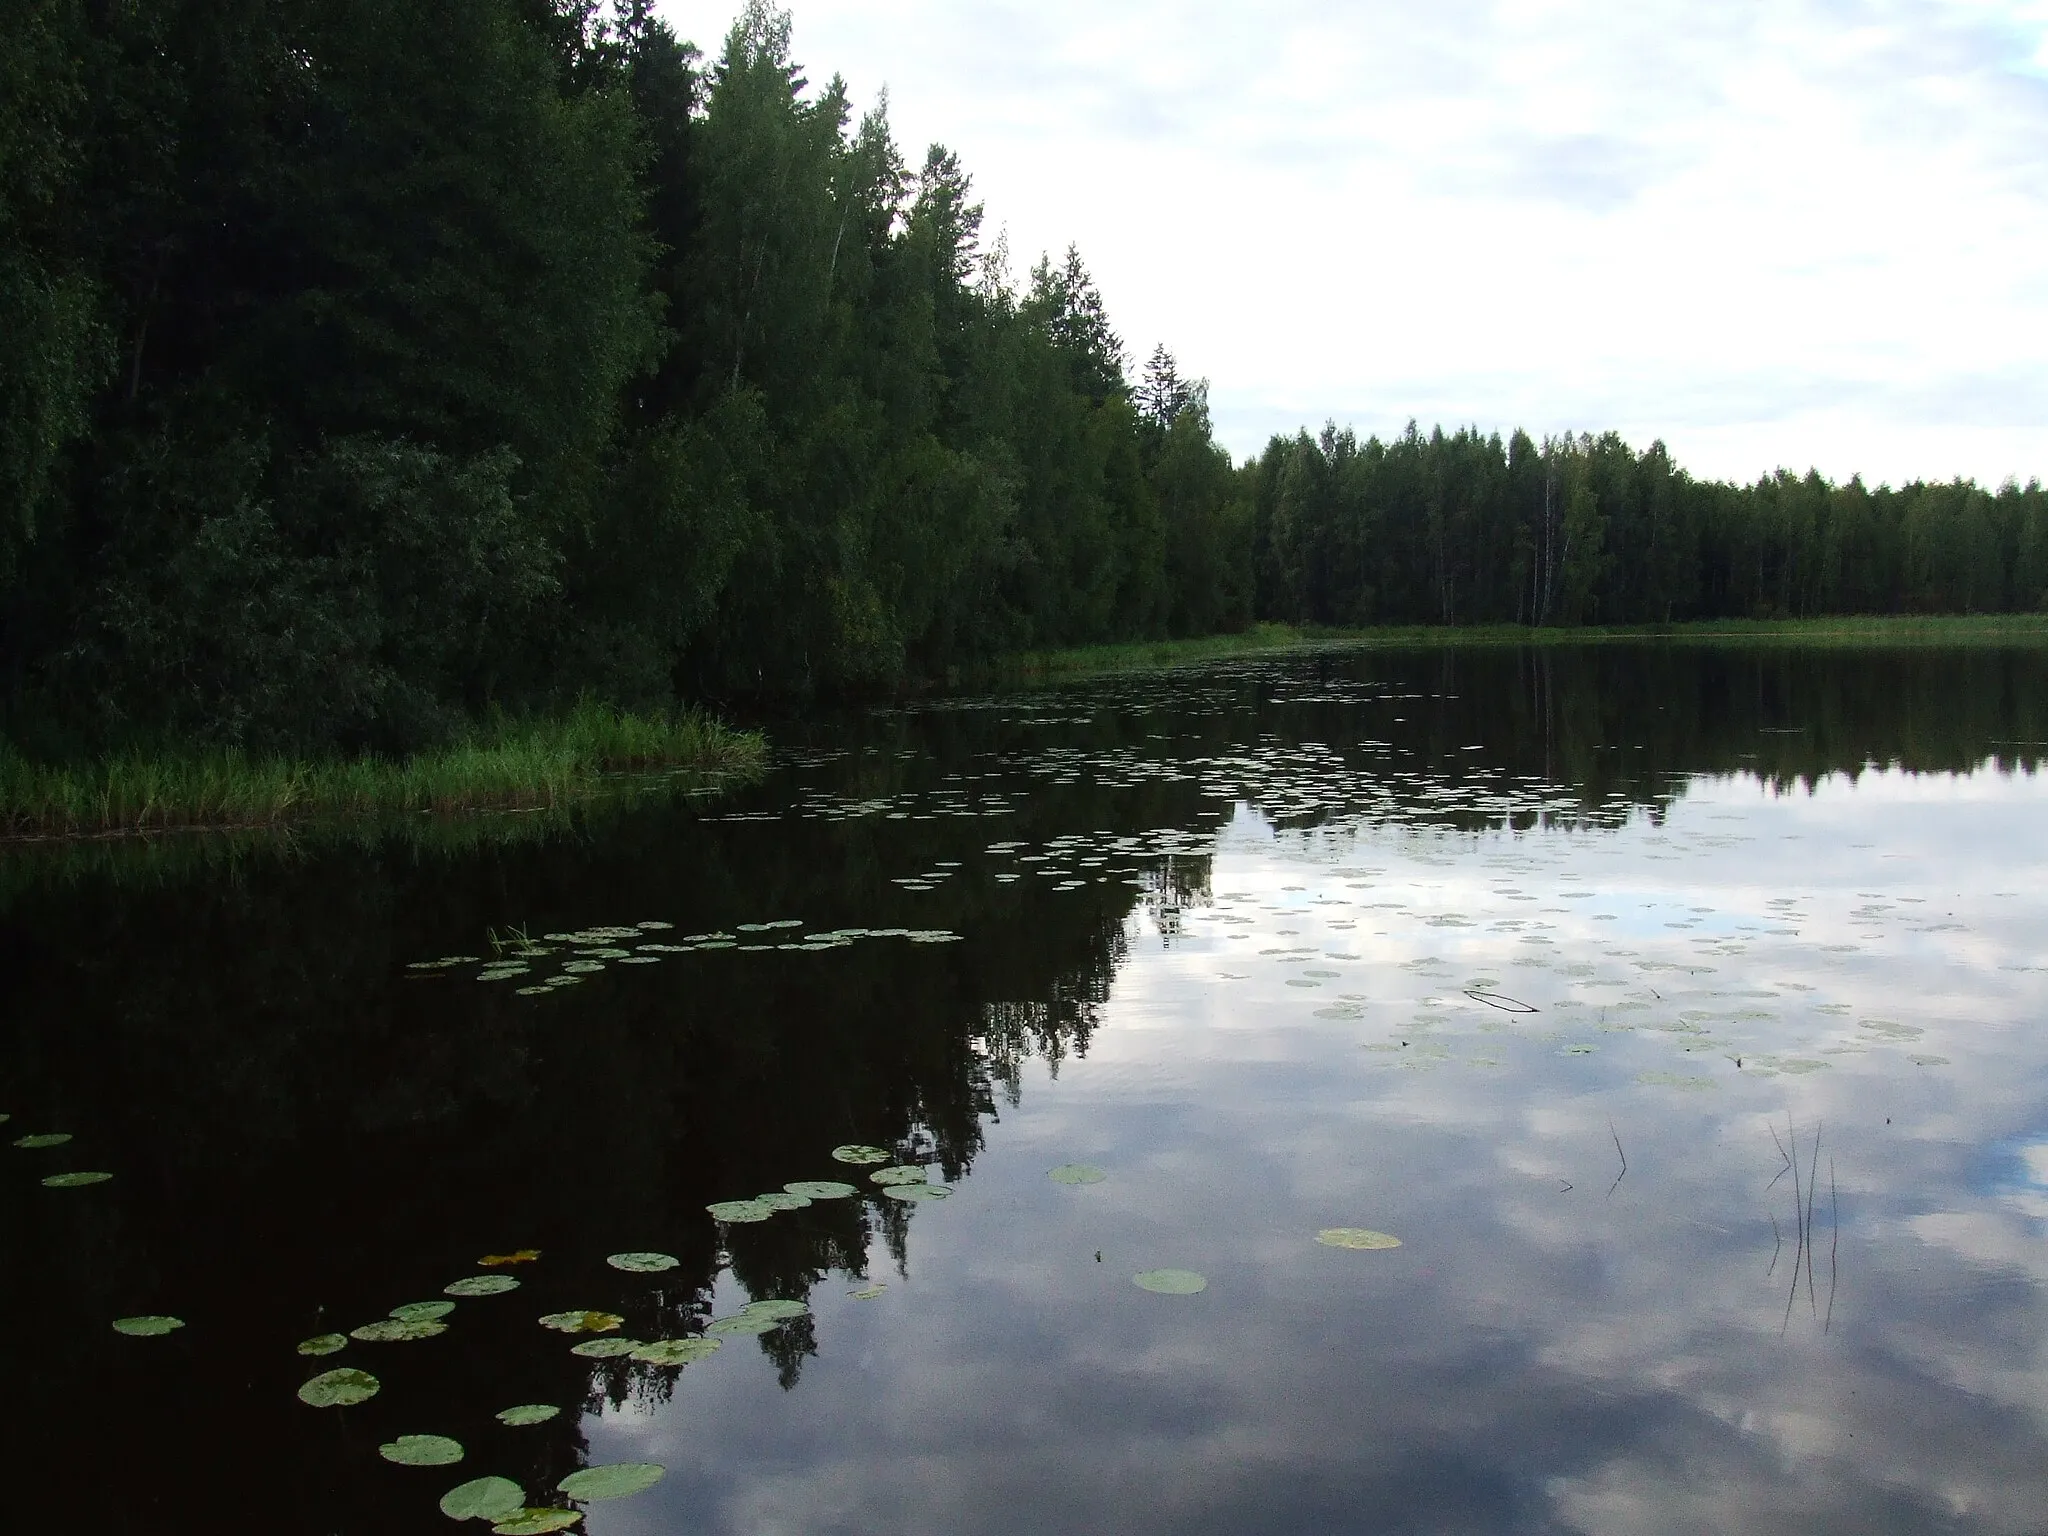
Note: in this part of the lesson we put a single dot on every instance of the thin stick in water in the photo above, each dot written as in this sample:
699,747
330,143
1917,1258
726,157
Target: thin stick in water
1834,1245
1812,1189
1623,1155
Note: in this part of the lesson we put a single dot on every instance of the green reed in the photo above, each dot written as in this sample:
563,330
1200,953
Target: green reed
502,764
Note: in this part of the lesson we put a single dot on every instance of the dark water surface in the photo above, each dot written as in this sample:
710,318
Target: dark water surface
1423,943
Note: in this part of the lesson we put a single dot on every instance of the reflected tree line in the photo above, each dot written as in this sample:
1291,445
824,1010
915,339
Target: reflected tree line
305,1133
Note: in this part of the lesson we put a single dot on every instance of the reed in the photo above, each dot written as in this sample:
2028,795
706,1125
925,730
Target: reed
501,764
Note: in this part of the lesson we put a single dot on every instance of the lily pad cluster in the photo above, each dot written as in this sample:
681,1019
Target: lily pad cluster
588,951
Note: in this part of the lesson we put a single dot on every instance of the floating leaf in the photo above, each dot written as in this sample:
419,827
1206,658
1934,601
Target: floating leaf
392,1330
619,1481
484,1498
1360,1238
739,1210
1171,1282
74,1180
324,1344
1505,1004
147,1327
499,1260
906,1175
917,1191
528,1414
676,1351
582,1322
422,1311
1077,1173
37,1143
605,1349
781,1200
482,1285
339,1389
744,1325
776,1309
644,1263
422,1451
867,1292
821,1189
860,1154
536,1522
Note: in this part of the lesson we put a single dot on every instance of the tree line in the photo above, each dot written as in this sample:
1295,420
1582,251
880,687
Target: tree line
370,366
1465,529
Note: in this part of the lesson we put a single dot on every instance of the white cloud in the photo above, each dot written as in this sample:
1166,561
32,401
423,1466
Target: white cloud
1801,231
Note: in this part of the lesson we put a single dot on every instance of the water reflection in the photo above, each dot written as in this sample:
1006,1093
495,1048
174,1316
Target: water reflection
1221,936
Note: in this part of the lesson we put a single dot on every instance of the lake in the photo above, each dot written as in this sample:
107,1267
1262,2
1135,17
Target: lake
1574,1089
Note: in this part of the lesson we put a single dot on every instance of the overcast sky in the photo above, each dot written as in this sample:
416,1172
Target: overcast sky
1770,232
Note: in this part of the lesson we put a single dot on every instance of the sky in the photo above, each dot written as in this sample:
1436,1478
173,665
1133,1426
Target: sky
1771,233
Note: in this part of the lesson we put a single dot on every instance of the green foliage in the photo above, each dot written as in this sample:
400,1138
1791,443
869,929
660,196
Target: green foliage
504,763
376,369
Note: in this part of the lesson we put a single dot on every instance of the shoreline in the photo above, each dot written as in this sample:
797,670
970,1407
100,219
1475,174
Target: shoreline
1842,630
508,767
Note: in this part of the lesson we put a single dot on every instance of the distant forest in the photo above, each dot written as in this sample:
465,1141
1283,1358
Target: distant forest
366,365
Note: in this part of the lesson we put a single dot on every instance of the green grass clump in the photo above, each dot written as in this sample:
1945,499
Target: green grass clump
506,764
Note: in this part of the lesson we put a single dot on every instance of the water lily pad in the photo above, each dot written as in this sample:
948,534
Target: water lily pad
147,1327
867,1292
744,1325
36,1143
739,1210
1359,1238
582,1322
393,1330
1077,1173
605,1349
422,1451
74,1180
1171,1282
482,1285
536,1522
857,1153
422,1311
917,1191
676,1351
906,1175
527,1414
484,1498
781,1200
324,1344
776,1308
821,1189
644,1263
500,1260
619,1481
339,1389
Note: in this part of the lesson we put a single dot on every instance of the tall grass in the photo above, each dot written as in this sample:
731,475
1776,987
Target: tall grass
505,764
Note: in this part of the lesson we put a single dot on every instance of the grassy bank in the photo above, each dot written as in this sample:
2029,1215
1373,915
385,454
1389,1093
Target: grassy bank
1970,629
1847,630
1139,654
506,765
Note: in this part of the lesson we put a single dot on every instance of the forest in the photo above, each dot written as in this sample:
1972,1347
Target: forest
371,368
